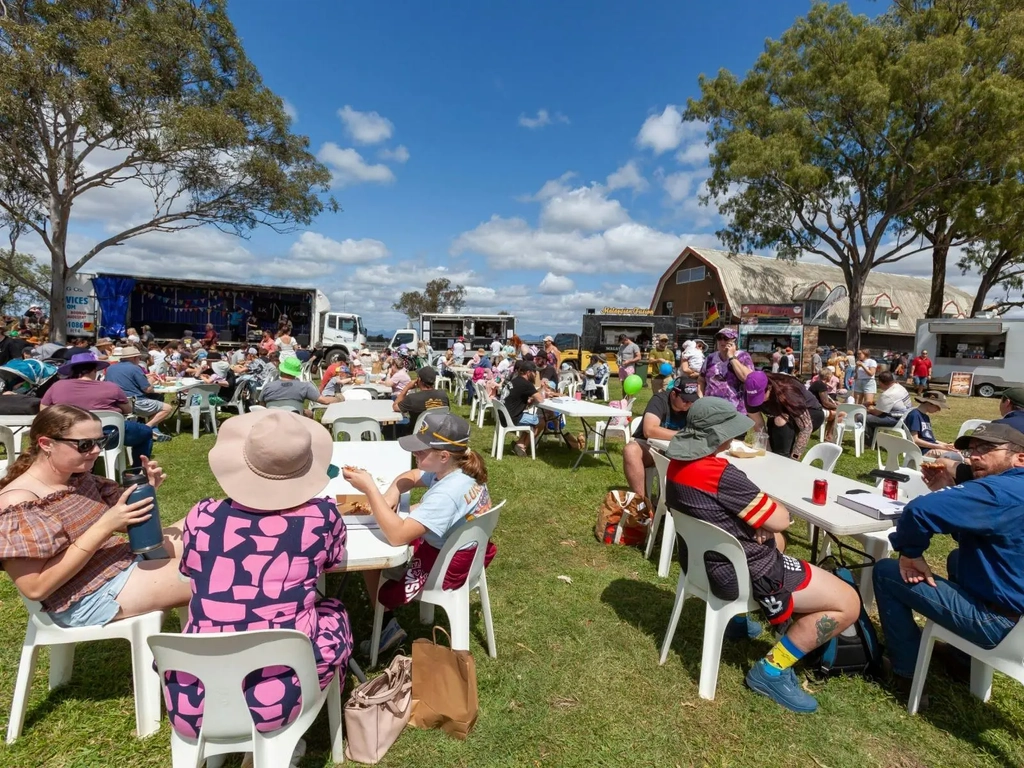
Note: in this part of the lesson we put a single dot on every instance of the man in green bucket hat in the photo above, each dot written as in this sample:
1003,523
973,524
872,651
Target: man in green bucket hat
706,486
291,393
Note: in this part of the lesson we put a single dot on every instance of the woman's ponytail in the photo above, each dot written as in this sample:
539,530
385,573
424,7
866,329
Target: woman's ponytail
472,463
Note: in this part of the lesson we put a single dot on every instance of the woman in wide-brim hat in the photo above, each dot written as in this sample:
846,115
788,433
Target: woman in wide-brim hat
254,558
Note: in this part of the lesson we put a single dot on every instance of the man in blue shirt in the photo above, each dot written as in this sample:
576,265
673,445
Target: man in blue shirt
983,598
129,376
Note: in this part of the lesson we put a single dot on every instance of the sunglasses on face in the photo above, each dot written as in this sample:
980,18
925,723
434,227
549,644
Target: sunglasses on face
86,444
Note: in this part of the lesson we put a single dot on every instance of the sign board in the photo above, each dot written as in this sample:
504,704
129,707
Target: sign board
80,304
961,384
627,311
750,312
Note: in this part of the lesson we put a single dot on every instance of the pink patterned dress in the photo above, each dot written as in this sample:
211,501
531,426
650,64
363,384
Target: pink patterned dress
258,570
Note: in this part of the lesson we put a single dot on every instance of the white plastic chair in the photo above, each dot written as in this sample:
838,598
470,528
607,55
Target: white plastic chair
899,429
257,408
503,426
899,453
203,407
1007,657
42,631
221,662
701,537
114,459
236,402
601,386
479,403
827,453
455,602
10,448
668,537
357,394
970,425
602,428
851,418
278,405
354,428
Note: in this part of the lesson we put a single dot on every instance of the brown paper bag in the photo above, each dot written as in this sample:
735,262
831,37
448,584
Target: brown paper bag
443,687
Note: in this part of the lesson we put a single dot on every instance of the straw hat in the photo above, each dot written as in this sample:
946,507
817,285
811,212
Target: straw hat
271,460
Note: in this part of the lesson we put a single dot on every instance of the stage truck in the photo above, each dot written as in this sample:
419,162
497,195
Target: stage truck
106,304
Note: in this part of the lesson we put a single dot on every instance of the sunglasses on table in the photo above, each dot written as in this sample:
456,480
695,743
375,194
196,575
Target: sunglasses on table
86,444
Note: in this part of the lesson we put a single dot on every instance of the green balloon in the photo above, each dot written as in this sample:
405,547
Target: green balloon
632,384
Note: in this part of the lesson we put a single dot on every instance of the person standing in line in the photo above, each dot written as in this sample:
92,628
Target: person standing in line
627,357
816,361
864,384
921,369
459,350
660,354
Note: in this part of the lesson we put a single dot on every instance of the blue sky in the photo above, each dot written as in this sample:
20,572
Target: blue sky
530,151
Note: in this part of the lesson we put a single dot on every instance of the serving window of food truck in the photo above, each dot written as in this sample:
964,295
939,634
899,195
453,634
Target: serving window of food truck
761,339
976,342
641,333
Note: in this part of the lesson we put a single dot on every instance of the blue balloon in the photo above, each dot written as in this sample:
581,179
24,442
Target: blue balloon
665,369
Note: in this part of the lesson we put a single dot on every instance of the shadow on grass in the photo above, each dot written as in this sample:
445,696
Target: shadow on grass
648,607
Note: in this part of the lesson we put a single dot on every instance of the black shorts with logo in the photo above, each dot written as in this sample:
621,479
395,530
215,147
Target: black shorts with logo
774,591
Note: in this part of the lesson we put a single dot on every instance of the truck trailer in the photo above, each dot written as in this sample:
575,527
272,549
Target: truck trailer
107,304
992,350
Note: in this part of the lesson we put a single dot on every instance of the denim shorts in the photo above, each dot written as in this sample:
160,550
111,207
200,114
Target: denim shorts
99,607
529,420
865,386
921,381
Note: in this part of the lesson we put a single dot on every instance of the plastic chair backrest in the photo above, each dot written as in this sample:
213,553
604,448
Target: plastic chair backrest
257,407
661,462
278,405
204,392
899,453
354,427
701,537
357,394
222,661
501,415
915,486
827,453
477,531
853,415
112,419
970,425
419,419
9,443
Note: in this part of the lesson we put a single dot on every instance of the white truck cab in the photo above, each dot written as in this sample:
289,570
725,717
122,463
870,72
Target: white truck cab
342,335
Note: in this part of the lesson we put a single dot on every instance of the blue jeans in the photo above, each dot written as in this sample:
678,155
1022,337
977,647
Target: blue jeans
139,438
947,604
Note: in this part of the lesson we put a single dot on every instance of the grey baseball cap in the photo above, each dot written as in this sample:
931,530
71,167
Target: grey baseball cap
440,432
993,432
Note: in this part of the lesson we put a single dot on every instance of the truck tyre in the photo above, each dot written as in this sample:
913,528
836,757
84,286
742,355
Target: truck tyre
335,355
985,390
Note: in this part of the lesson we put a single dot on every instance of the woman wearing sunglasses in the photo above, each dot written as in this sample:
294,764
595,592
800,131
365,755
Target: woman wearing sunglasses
58,523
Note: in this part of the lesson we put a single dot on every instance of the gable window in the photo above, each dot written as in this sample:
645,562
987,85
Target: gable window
692,275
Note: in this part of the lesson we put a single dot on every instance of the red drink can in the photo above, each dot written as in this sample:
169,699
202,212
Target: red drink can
890,489
820,495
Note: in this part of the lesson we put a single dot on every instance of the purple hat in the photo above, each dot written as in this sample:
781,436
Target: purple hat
82,358
726,333
756,388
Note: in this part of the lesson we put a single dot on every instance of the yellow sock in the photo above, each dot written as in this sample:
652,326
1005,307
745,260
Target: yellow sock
783,655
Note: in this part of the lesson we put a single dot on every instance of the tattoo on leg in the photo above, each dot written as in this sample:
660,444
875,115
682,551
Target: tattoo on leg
826,627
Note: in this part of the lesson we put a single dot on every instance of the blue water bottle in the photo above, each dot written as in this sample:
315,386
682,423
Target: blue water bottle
149,535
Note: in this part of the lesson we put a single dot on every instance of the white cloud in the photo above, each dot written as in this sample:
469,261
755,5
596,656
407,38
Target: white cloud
543,118
696,153
585,208
680,186
627,176
666,131
553,284
291,111
552,187
366,127
316,247
399,154
348,167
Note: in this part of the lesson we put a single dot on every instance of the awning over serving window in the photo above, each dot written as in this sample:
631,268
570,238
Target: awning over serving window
966,329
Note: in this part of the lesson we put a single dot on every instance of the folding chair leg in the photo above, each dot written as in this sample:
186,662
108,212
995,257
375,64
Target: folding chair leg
673,622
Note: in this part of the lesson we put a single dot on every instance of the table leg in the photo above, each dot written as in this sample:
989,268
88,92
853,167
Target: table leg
587,432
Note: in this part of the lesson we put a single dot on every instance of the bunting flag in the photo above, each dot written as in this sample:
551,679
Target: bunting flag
713,316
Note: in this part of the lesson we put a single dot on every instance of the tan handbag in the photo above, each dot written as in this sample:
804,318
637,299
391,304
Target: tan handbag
377,711
443,687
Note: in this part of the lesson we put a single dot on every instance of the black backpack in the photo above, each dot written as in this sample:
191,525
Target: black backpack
857,651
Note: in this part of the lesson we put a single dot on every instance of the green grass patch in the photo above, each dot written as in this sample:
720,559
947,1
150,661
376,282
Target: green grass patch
576,681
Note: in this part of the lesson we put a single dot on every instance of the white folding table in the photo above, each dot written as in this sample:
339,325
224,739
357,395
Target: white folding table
582,410
378,410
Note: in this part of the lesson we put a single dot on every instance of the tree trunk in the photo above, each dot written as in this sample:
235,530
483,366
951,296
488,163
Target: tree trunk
58,301
855,287
988,281
942,237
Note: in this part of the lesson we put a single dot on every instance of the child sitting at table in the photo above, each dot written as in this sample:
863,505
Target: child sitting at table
254,559
456,479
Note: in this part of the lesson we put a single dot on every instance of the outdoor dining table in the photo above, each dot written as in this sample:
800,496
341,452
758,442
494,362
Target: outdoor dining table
582,410
174,386
380,411
380,390
791,482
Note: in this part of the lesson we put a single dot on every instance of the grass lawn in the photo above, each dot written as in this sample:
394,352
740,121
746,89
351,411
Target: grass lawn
576,681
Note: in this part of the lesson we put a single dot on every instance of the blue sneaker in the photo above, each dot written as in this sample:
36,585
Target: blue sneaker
390,636
782,689
160,437
743,628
